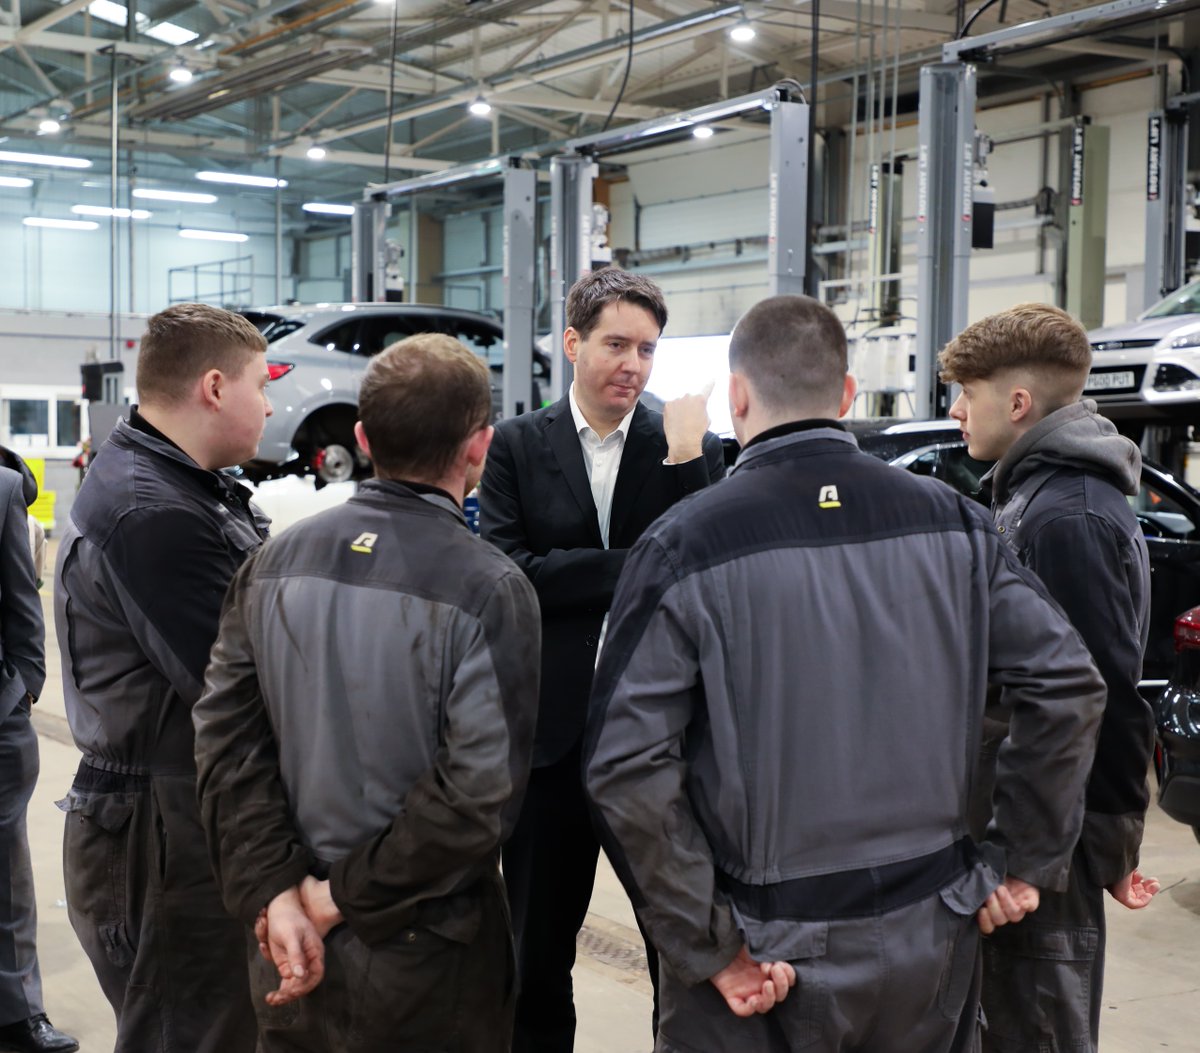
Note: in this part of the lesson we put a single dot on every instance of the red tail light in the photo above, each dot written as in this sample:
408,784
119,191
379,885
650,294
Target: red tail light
1187,631
275,370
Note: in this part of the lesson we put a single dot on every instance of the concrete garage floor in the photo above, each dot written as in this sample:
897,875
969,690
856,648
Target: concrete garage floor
1153,962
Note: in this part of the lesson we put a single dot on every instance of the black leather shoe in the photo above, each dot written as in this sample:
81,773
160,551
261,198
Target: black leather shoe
35,1035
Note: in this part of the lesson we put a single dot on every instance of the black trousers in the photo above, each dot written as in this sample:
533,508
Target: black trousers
550,869
419,992
143,901
1043,978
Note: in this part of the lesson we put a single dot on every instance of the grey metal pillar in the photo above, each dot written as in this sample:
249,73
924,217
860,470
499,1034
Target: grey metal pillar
520,217
788,229
570,250
368,252
884,215
1166,202
1087,223
945,171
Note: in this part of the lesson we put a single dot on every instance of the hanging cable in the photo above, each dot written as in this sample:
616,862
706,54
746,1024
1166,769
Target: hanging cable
971,21
624,79
391,109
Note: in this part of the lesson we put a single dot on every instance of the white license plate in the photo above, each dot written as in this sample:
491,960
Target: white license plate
1108,381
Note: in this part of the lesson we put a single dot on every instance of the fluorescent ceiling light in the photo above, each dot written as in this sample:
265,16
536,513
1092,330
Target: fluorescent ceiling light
50,160
743,33
104,210
169,33
241,180
702,131
480,107
316,153
323,209
180,74
175,195
15,181
61,224
212,235
49,126
117,15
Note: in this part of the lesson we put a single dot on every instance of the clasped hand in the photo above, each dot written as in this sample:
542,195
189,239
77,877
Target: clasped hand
750,987
291,936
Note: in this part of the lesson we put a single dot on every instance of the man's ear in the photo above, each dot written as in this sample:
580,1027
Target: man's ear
477,446
849,390
360,436
1020,404
739,396
212,388
571,339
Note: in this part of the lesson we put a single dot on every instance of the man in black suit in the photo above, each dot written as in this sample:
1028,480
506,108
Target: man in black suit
565,493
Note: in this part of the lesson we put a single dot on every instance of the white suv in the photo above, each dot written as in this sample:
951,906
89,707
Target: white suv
317,355
1150,368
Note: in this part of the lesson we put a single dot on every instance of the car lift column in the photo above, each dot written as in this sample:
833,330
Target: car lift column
1087,223
571,179
520,205
368,252
945,171
1166,202
788,228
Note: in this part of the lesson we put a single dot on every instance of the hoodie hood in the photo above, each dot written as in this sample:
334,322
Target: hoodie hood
29,487
1075,436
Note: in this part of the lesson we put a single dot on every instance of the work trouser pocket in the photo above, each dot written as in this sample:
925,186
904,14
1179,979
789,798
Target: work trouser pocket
96,848
802,1016
1037,987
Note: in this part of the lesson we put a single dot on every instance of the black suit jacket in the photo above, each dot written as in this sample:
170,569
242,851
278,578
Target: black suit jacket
535,505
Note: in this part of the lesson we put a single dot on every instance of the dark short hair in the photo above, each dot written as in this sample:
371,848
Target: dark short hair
593,292
1033,336
420,400
185,341
792,349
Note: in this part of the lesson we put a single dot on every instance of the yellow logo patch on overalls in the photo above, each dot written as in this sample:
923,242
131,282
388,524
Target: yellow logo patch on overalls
364,543
828,498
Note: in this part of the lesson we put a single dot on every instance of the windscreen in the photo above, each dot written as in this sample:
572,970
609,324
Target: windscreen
1183,301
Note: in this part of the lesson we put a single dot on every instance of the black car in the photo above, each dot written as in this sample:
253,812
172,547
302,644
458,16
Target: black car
1177,724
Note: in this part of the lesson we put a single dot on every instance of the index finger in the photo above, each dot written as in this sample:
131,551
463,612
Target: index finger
707,390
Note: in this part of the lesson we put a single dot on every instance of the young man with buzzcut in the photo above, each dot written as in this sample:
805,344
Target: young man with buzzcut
782,774
1058,494
364,736
566,492
156,533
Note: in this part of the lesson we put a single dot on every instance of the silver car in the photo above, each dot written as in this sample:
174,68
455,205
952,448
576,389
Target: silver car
317,355
1150,368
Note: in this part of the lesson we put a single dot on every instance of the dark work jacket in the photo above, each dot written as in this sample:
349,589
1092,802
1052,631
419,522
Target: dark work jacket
535,505
153,542
1059,499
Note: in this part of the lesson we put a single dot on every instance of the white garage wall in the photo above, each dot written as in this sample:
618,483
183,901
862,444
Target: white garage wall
68,270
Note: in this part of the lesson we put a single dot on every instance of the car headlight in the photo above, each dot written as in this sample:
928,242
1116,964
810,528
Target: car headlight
1187,340
1170,377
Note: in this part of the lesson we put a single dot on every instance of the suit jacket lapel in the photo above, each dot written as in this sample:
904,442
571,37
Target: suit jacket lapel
645,448
564,443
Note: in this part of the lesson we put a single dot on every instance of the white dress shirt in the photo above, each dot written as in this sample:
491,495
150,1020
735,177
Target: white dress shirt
602,459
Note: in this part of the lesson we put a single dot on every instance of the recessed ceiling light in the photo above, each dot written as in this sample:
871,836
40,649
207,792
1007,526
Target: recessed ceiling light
316,153
480,107
50,160
267,182
61,224
181,74
15,181
49,126
212,235
702,131
743,33
324,209
175,195
104,210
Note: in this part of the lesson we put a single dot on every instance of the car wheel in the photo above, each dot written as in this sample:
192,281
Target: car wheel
333,464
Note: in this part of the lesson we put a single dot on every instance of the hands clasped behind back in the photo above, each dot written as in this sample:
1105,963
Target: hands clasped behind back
291,932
